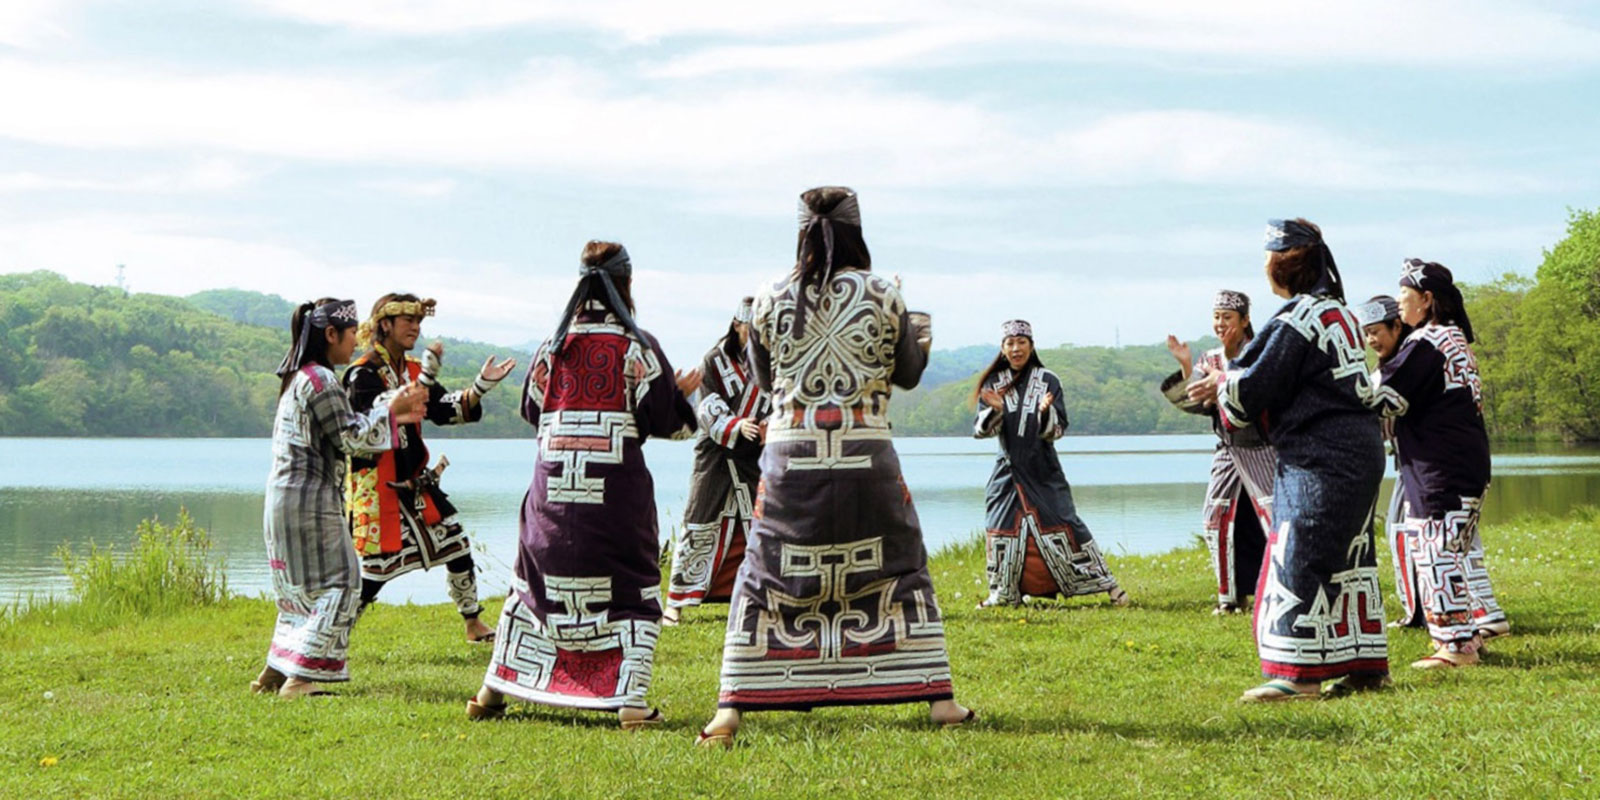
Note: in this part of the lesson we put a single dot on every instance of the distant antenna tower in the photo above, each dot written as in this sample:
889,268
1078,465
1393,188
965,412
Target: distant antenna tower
1118,334
122,278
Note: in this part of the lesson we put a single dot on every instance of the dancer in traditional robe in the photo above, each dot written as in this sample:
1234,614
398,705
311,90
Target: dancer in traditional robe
401,520
833,605
1380,323
1319,613
1238,506
727,464
580,624
1036,544
1385,332
1432,390
315,573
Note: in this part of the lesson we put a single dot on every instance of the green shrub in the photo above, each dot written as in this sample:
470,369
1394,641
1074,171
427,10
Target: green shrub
169,569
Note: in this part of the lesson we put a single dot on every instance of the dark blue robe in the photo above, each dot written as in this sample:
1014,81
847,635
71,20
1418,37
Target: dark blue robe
1304,381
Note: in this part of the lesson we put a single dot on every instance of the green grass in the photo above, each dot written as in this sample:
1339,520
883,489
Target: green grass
1077,699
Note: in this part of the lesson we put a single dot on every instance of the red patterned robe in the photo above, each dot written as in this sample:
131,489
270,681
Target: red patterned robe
579,627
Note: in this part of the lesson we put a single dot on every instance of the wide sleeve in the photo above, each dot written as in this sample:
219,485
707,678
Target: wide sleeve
1053,418
353,433
1265,375
662,410
451,408
533,386
715,415
363,384
1174,388
909,357
1411,379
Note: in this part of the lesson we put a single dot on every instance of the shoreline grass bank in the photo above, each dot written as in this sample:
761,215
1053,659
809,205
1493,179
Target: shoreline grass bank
1077,699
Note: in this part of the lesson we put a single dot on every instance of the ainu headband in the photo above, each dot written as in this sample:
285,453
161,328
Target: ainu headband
405,308
337,314
1382,308
1288,234
746,311
1015,327
1429,276
846,212
618,267
1229,300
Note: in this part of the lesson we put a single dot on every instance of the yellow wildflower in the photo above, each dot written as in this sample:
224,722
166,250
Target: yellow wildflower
49,761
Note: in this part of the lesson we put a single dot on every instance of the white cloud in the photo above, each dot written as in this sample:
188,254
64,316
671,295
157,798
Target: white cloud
557,118
831,36
204,175
33,24
426,189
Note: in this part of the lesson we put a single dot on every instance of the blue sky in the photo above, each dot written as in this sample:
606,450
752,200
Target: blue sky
1099,168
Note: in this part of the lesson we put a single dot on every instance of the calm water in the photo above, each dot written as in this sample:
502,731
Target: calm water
1139,494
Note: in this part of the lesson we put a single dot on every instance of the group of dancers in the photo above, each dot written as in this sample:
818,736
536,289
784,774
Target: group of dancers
799,517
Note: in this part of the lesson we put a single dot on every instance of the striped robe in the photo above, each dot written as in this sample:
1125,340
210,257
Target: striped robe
315,571
1238,507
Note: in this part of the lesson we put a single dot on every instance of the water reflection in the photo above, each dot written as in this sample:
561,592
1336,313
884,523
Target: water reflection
1137,494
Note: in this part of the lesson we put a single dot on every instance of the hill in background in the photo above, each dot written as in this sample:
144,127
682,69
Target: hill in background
81,360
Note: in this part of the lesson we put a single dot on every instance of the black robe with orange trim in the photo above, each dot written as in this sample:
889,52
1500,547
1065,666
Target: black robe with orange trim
399,529
1036,543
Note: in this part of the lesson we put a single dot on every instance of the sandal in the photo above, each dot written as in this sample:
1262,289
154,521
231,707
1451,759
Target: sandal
970,717
654,718
712,741
1495,630
1351,684
671,616
268,686
478,712
1276,690
1119,597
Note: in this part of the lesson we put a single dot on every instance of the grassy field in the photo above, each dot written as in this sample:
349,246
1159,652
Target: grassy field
1077,699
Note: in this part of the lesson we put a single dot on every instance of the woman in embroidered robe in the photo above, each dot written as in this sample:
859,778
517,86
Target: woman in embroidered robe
1383,330
580,624
1036,544
1432,391
1318,614
727,464
833,604
400,518
315,573
1238,506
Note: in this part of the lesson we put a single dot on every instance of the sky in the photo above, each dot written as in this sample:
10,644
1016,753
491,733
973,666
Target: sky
1098,168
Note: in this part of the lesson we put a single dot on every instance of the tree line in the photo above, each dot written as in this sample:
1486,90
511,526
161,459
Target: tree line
80,360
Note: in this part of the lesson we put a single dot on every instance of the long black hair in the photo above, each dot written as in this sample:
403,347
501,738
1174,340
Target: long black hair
316,343
1000,362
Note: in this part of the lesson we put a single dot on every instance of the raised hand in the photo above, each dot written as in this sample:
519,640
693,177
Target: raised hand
992,399
689,380
1181,351
1044,407
495,371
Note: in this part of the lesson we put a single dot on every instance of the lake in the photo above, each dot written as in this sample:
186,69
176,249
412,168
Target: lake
1138,494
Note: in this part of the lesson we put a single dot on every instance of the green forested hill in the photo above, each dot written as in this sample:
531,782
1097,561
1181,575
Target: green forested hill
1108,391
79,360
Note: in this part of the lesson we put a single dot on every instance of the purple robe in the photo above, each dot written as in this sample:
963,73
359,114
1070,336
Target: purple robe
579,627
